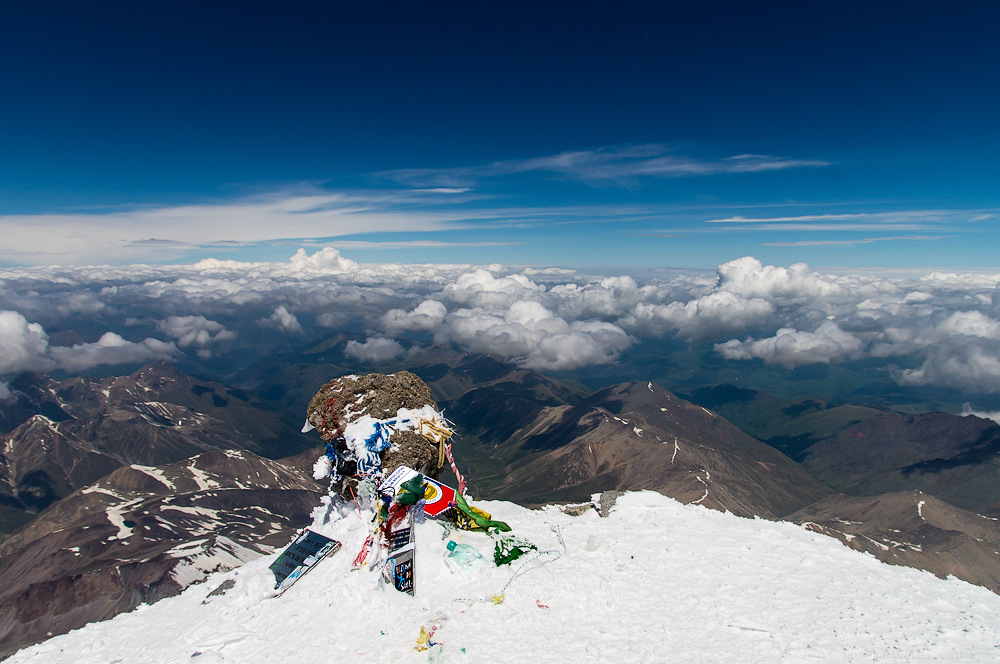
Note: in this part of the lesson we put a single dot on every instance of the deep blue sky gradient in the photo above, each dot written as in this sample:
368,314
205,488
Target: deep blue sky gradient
110,105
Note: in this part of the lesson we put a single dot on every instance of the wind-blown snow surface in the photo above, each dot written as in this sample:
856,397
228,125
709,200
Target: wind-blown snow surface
657,581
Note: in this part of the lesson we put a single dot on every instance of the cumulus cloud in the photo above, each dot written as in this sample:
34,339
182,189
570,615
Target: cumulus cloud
374,349
934,325
111,349
534,337
748,277
480,288
713,315
23,345
194,330
970,323
964,363
790,348
919,334
325,260
608,297
282,320
425,316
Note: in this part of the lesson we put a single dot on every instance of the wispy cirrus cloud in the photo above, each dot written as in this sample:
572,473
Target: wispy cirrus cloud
602,166
737,219
165,233
861,220
411,244
848,243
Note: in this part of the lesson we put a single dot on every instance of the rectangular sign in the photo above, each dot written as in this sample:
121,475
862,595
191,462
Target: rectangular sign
305,551
439,496
398,569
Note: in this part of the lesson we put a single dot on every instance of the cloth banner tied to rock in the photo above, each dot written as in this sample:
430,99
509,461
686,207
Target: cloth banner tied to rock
386,441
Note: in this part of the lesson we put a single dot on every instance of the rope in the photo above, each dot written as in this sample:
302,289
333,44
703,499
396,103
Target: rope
499,597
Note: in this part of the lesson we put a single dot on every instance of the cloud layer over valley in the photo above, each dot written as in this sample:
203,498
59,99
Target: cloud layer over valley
937,329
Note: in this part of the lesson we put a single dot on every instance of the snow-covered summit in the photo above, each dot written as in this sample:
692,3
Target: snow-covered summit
656,581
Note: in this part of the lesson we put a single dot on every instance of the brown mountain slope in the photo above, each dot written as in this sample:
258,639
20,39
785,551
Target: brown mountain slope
633,436
143,533
956,459
790,426
154,416
914,529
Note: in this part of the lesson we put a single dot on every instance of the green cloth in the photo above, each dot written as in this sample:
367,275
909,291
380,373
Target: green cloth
480,520
411,491
509,549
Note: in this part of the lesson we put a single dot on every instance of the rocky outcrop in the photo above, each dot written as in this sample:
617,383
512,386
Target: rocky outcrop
394,399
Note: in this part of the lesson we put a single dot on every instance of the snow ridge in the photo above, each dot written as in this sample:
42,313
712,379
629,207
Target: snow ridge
656,581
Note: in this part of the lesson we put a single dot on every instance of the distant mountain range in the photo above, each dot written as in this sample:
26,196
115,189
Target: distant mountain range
126,489
142,533
62,435
956,459
629,436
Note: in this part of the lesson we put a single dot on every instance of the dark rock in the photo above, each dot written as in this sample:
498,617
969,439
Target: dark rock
221,590
346,399
608,500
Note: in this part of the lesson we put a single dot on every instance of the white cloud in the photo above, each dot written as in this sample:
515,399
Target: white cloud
750,278
713,315
480,288
282,320
534,337
83,302
23,345
737,219
374,349
111,349
921,333
586,343
611,296
968,410
5,393
425,316
851,243
155,234
541,318
965,363
194,330
895,220
602,165
790,348
970,323
323,261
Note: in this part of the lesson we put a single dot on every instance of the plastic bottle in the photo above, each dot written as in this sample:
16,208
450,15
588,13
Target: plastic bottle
464,555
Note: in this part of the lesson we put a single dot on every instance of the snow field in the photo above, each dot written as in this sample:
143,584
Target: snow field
657,581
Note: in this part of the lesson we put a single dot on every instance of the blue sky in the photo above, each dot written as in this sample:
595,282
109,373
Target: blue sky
571,134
